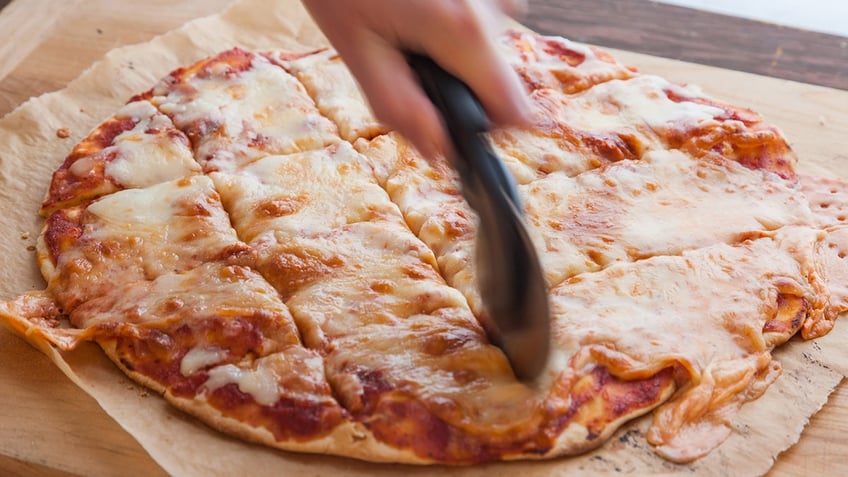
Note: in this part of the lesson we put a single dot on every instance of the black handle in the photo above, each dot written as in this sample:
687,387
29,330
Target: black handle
453,98
511,280
466,121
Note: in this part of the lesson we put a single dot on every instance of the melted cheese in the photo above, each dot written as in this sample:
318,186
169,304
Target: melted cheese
210,290
142,207
417,186
375,271
703,311
150,152
428,194
662,205
386,311
141,234
259,382
83,166
199,358
305,193
337,94
147,159
553,62
530,154
637,318
150,208
145,155
239,117
294,373
637,102
368,294
614,120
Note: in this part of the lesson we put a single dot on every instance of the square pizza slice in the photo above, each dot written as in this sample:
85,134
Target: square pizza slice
135,148
238,106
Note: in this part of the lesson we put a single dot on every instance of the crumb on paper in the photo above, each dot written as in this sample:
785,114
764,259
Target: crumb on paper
31,248
25,236
822,121
63,133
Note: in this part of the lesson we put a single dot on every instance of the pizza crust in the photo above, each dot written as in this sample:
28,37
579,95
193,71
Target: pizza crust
349,438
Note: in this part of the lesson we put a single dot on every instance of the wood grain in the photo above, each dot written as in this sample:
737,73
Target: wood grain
817,452
24,26
15,468
697,36
70,436
92,27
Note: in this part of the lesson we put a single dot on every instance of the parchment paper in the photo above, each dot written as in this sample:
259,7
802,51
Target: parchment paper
30,150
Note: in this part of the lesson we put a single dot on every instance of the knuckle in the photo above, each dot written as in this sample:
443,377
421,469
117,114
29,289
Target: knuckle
466,21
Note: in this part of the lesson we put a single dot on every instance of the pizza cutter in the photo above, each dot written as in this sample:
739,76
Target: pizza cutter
509,275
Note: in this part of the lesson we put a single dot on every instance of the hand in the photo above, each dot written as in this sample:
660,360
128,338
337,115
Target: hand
372,35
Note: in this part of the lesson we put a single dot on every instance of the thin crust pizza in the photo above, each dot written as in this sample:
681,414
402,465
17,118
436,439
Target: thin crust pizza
245,239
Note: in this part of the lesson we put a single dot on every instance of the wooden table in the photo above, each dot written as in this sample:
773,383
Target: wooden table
83,440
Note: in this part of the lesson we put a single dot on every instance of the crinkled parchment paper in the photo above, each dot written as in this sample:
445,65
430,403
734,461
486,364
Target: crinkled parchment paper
30,151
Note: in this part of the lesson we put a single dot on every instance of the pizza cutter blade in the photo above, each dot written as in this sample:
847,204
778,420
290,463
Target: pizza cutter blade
510,278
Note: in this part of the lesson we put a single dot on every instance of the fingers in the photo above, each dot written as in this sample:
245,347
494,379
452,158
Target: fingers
493,81
396,97
362,32
372,37
467,49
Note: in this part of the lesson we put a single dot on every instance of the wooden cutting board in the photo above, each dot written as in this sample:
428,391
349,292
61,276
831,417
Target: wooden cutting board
51,427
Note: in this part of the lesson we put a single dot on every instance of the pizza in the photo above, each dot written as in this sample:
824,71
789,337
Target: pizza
247,240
